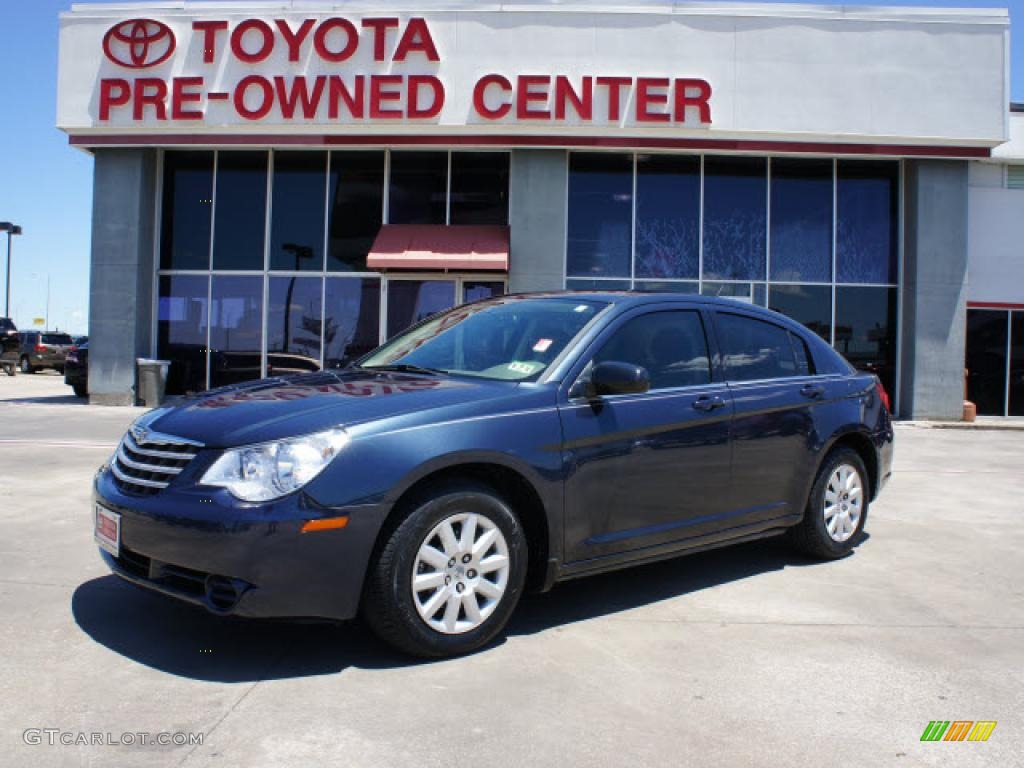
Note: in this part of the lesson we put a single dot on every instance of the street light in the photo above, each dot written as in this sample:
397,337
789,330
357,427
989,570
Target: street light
11,230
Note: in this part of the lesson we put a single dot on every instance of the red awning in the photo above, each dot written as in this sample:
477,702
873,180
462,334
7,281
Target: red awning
436,246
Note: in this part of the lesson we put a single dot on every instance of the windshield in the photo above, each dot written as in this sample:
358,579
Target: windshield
504,339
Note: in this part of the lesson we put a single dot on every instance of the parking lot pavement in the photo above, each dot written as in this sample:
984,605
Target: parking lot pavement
742,657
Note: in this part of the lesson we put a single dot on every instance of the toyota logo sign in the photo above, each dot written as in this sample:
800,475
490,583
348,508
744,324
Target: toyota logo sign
139,43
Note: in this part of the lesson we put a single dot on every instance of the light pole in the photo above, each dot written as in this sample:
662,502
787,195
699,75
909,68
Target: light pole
11,230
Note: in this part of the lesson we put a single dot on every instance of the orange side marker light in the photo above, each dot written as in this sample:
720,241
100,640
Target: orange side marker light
325,524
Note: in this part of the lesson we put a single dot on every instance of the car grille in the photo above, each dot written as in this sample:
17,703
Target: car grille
144,465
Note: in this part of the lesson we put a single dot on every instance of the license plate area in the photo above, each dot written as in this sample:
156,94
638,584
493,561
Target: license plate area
107,529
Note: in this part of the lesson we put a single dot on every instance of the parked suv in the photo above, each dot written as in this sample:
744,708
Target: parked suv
76,368
10,345
501,446
43,349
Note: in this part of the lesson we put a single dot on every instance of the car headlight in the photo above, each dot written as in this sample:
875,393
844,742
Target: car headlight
271,470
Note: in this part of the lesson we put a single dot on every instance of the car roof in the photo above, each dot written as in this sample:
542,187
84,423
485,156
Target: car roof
638,298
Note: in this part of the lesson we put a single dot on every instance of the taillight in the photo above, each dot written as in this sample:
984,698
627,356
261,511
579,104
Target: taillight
72,356
40,347
883,395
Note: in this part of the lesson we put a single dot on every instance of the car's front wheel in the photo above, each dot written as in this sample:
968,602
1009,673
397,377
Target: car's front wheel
449,575
837,507
26,366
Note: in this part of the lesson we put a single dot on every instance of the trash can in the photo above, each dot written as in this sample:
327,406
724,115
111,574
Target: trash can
152,378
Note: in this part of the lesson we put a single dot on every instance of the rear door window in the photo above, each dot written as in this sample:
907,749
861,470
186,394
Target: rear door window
671,345
754,349
804,363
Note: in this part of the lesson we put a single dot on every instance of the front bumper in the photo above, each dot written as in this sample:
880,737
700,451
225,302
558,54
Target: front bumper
234,558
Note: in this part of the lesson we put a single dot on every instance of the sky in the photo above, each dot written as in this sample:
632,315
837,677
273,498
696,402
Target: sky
46,186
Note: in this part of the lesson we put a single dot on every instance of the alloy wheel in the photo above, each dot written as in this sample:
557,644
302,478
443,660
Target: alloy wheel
844,502
460,573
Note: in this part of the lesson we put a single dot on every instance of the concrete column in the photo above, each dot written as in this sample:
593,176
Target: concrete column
537,217
934,290
121,281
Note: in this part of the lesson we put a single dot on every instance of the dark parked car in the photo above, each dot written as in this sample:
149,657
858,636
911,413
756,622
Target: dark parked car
501,446
43,349
76,369
9,345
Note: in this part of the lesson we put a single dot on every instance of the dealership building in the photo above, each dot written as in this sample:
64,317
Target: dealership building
282,186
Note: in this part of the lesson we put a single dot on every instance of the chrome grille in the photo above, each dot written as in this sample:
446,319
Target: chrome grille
146,461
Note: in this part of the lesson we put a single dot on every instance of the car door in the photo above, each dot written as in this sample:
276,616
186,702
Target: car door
774,394
647,469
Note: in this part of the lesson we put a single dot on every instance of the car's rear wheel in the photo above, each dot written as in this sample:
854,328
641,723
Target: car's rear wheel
837,508
449,575
26,366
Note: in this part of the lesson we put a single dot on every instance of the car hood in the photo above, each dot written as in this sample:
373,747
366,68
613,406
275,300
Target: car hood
271,409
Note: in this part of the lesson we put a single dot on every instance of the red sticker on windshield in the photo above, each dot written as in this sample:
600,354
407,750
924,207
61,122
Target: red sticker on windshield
542,345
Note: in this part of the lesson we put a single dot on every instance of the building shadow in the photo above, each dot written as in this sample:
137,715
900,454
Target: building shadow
183,640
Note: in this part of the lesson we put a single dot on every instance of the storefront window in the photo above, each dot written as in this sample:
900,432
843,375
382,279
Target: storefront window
419,188
356,204
181,328
293,325
986,360
474,290
661,286
600,215
186,210
866,225
801,220
752,292
236,329
577,284
735,218
1017,364
352,322
668,216
479,188
410,301
241,204
807,304
297,212
865,331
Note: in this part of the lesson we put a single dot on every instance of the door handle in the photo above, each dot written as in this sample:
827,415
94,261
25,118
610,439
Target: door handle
705,403
812,390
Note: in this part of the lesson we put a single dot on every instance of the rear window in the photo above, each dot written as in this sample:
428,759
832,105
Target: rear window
754,349
56,338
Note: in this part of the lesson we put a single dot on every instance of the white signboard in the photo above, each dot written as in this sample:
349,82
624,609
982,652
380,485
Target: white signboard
533,73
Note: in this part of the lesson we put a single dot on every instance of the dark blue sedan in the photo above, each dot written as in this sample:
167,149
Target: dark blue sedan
501,446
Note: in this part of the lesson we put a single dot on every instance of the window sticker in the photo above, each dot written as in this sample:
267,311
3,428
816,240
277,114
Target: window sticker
525,368
542,345
581,308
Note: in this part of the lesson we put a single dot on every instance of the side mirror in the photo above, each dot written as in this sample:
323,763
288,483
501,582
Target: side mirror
614,378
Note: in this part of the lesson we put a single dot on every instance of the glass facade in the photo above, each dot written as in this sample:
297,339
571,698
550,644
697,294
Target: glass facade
815,239
263,255
995,361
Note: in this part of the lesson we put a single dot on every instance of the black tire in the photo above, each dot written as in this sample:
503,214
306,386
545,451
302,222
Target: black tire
9,369
388,607
811,536
26,366
80,390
